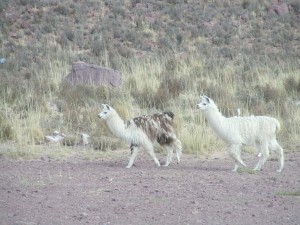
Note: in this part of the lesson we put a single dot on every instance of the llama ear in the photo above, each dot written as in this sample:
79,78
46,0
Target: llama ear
106,106
207,99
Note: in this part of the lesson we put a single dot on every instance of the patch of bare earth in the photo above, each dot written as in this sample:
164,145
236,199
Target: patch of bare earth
196,191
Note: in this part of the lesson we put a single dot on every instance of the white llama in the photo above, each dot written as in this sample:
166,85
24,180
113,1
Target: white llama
258,131
143,131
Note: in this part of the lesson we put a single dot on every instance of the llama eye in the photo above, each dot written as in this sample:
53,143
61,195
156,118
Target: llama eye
105,112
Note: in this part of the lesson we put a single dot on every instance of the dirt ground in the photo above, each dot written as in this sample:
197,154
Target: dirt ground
196,191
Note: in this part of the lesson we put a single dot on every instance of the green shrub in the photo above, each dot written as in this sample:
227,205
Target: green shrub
3,5
36,135
174,86
11,89
69,34
161,98
70,140
289,193
61,9
98,47
145,97
82,95
273,94
245,4
6,129
104,143
291,85
296,7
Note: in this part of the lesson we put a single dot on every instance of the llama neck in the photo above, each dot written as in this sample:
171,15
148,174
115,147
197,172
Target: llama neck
116,125
217,121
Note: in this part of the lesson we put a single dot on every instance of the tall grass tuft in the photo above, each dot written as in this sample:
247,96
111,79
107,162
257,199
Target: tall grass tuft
7,131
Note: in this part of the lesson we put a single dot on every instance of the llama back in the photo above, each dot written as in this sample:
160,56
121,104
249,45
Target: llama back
269,122
249,129
157,126
257,122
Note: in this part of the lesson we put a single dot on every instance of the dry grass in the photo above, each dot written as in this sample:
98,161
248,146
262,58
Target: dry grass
79,106
227,62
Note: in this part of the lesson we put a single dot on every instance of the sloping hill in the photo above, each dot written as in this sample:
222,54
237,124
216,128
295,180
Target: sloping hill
149,27
244,54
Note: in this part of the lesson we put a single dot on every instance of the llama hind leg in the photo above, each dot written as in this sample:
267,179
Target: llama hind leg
169,155
274,146
235,153
174,145
264,150
178,147
149,147
134,151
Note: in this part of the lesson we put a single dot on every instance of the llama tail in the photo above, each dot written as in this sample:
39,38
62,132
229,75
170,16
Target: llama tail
170,114
277,124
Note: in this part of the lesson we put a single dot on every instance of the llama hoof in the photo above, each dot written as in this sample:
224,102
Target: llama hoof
235,168
278,171
128,167
167,164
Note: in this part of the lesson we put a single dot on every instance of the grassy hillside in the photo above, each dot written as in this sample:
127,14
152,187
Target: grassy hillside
237,52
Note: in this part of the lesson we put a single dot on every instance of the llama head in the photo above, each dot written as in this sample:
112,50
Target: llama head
206,103
106,112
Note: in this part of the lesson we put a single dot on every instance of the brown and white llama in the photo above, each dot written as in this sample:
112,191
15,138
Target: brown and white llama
143,131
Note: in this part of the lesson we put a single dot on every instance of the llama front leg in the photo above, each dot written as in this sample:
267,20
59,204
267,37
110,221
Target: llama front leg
134,151
235,153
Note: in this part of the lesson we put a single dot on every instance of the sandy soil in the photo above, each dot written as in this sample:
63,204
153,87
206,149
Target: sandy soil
197,191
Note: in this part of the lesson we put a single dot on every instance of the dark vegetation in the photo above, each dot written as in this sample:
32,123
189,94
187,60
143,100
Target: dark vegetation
237,42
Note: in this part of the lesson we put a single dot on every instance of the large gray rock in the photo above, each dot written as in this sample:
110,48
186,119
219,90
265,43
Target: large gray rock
84,73
281,8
